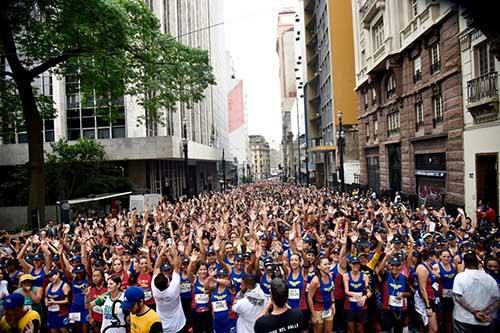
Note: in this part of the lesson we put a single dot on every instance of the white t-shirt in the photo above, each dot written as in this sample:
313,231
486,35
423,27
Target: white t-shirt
479,289
168,305
248,312
107,315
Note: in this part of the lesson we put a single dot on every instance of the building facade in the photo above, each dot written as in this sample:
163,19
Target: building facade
408,82
260,157
151,153
481,117
330,90
285,48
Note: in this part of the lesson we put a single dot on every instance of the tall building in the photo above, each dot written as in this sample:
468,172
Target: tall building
285,47
481,117
409,90
260,157
330,90
151,154
238,126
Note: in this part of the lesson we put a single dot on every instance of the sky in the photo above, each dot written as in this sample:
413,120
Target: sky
250,28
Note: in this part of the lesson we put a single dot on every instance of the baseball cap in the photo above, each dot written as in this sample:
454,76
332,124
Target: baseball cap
355,260
13,301
395,261
210,251
221,272
38,256
165,267
185,261
238,257
451,236
132,295
76,258
79,269
26,277
52,272
55,257
396,240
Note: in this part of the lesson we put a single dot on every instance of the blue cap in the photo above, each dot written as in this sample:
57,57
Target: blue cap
76,258
222,272
79,269
38,256
165,267
132,295
13,301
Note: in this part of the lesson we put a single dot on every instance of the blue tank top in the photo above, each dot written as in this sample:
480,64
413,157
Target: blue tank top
447,278
77,289
228,262
324,293
265,284
57,310
185,288
236,279
355,287
38,277
285,245
201,299
295,290
334,271
221,304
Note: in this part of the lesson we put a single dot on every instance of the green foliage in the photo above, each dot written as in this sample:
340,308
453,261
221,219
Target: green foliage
113,47
84,150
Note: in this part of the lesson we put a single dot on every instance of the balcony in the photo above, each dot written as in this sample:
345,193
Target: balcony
417,76
392,132
419,125
435,67
482,97
369,9
416,26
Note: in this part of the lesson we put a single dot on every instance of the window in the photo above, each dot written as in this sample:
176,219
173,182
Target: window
378,35
435,58
391,86
485,60
437,109
374,95
365,100
414,8
367,129
375,129
417,69
393,123
419,116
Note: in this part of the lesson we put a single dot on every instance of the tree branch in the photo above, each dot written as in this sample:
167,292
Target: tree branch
52,62
6,73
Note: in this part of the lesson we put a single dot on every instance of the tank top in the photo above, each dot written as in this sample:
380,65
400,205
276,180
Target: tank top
236,278
97,311
390,289
185,287
431,285
57,295
108,315
221,305
447,278
28,317
334,271
28,301
356,287
296,291
144,281
143,323
77,289
38,277
265,284
200,301
323,297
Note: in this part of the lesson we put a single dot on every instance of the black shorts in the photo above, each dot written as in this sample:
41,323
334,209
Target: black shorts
447,304
393,319
360,317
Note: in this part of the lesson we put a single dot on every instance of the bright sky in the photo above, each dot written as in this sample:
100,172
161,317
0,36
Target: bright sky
251,39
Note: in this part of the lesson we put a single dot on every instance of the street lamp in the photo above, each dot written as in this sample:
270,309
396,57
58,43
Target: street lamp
223,171
341,145
185,150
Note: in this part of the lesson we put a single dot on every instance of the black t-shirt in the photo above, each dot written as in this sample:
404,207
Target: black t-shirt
289,322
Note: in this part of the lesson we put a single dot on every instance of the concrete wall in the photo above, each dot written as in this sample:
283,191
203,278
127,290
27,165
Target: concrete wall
13,216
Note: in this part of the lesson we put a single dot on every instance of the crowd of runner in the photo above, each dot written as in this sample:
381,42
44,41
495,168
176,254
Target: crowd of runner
352,262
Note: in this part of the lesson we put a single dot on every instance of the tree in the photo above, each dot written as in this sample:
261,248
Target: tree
79,169
113,47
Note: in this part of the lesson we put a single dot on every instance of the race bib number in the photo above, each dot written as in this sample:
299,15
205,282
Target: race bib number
355,297
201,298
395,302
448,293
185,287
435,286
148,295
219,306
54,308
98,309
74,317
293,293
326,313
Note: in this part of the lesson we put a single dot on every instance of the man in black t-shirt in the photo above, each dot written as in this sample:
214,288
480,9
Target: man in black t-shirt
281,319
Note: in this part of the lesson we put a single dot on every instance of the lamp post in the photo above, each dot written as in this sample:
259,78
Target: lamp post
185,150
298,179
306,161
223,171
341,145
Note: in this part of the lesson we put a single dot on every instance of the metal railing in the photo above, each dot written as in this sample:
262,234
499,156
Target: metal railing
435,67
484,86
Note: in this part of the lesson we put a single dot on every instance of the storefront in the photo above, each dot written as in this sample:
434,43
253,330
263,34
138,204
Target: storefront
430,173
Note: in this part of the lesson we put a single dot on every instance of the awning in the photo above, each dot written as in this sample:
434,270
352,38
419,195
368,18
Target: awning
322,148
97,197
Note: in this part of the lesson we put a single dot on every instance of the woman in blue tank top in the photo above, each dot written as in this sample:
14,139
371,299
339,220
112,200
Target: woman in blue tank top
221,301
57,302
78,314
42,262
321,299
447,273
356,287
202,317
